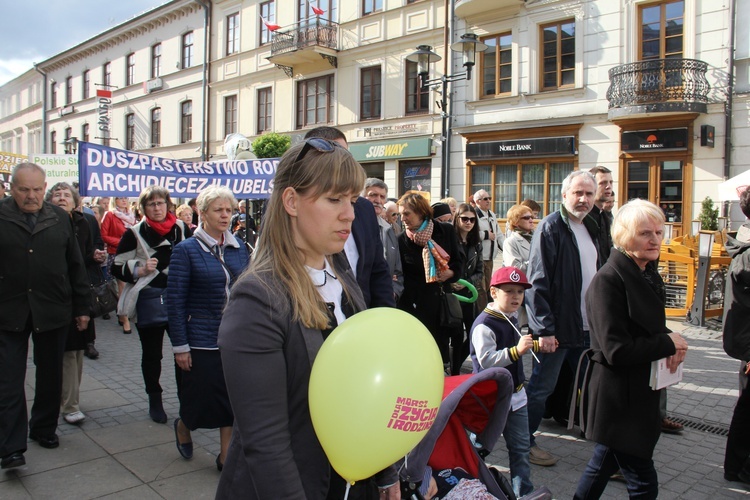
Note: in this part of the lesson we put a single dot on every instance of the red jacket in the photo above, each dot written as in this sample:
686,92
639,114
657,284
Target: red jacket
112,230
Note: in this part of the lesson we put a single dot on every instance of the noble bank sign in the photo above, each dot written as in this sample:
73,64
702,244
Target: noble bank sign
545,146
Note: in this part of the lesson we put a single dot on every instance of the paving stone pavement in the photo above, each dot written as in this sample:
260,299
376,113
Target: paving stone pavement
119,453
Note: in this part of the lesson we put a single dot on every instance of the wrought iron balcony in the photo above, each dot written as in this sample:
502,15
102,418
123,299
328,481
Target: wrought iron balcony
307,41
658,86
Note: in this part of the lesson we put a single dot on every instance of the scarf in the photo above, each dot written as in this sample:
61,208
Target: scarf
435,259
164,226
525,234
127,218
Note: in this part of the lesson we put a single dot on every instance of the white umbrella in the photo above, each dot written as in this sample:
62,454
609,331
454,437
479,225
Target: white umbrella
731,188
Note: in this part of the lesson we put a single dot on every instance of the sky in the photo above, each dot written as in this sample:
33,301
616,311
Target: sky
35,30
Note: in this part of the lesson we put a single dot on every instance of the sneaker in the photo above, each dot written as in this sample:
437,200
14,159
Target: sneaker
669,426
90,351
74,418
538,456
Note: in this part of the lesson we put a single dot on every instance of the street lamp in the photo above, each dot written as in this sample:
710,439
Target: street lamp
695,227
705,245
467,46
668,230
71,145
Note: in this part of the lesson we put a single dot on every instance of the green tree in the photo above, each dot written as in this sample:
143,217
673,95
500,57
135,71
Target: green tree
271,145
709,215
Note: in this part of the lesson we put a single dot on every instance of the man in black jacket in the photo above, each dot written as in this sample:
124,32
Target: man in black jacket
563,259
43,285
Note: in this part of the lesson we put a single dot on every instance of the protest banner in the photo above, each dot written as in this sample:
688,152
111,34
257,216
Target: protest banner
58,167
7,162
105,171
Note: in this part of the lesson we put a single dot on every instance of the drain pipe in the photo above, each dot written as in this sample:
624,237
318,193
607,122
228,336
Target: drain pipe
206,54
44,107
728,104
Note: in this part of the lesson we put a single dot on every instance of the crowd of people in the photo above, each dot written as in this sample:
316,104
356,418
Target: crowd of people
246,319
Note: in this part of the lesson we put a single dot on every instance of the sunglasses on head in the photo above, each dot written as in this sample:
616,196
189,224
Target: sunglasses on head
467,219
319,145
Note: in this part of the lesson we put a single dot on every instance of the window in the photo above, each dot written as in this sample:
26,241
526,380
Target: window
417,98
67,143
267,12
265,103
85,132
186,122
329,8
496,70
53,142
86,84
233,33
156,127
510,183
661,33
53,95
130,131
187,50
156,60
68,90
558,55
370,97
315,101
230,115
130,69
107,75
370,6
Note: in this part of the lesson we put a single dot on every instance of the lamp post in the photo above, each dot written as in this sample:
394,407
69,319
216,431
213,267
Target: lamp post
695,227
668,230
71,145
468,47
698,309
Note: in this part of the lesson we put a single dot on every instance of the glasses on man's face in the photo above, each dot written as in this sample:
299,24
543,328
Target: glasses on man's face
527,217
486,198
467,220
319,145
156,204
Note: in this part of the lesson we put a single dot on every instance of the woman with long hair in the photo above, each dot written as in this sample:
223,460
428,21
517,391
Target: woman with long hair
298,288
115,222
142,259
470,247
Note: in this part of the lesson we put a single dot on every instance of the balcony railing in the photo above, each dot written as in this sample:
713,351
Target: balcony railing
312,33
658,85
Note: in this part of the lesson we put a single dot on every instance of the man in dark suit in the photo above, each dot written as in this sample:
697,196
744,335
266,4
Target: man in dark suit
44,286
364,249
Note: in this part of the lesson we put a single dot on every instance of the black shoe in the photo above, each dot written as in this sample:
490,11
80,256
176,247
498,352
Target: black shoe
13,460
219,465
106,316
156,408
50,441
185,449
90,351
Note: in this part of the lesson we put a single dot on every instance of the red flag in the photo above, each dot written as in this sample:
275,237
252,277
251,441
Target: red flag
318,11
270,26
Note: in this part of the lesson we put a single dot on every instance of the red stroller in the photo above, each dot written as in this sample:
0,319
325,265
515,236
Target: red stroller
477,404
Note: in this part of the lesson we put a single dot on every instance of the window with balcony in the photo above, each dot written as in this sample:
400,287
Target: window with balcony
265,110
558,55
512,182
315,101
130,131
186,121
53,142
496,70
233,33
370,6
130,69
85,132
107,74
661,30
230,115
156,60
187,50
417,98
68,90
53,95
156,127
330,10
267,12
86,84
370,94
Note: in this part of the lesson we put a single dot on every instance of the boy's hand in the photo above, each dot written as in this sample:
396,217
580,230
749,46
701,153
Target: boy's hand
524,344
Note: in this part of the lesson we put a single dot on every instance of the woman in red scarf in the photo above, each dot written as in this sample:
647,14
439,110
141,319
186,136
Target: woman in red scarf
143,260
114,223
430,258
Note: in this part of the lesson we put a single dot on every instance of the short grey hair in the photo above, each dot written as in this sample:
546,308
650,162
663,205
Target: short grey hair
62,186
375,182
213,193
576,173
26,166
629,217
478,194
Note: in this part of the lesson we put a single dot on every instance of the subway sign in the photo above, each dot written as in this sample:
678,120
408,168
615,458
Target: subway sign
389,150
544,146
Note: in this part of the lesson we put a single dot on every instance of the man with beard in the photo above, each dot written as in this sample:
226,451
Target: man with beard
563,259
603,217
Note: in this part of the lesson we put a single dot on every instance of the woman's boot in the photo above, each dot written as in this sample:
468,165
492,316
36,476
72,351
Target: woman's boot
156,409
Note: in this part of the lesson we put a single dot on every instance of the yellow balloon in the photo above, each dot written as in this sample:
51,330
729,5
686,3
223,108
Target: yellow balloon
375,389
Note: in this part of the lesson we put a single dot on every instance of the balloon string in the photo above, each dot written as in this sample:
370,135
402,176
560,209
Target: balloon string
519,333
348,487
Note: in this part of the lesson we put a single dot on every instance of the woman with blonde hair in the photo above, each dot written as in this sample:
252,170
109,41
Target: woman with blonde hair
298,288
517,245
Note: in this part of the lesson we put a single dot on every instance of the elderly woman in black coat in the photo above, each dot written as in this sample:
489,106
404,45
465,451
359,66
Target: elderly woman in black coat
625,307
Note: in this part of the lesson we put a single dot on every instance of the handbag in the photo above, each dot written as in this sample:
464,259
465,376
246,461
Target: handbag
451,315
151,307
103,298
